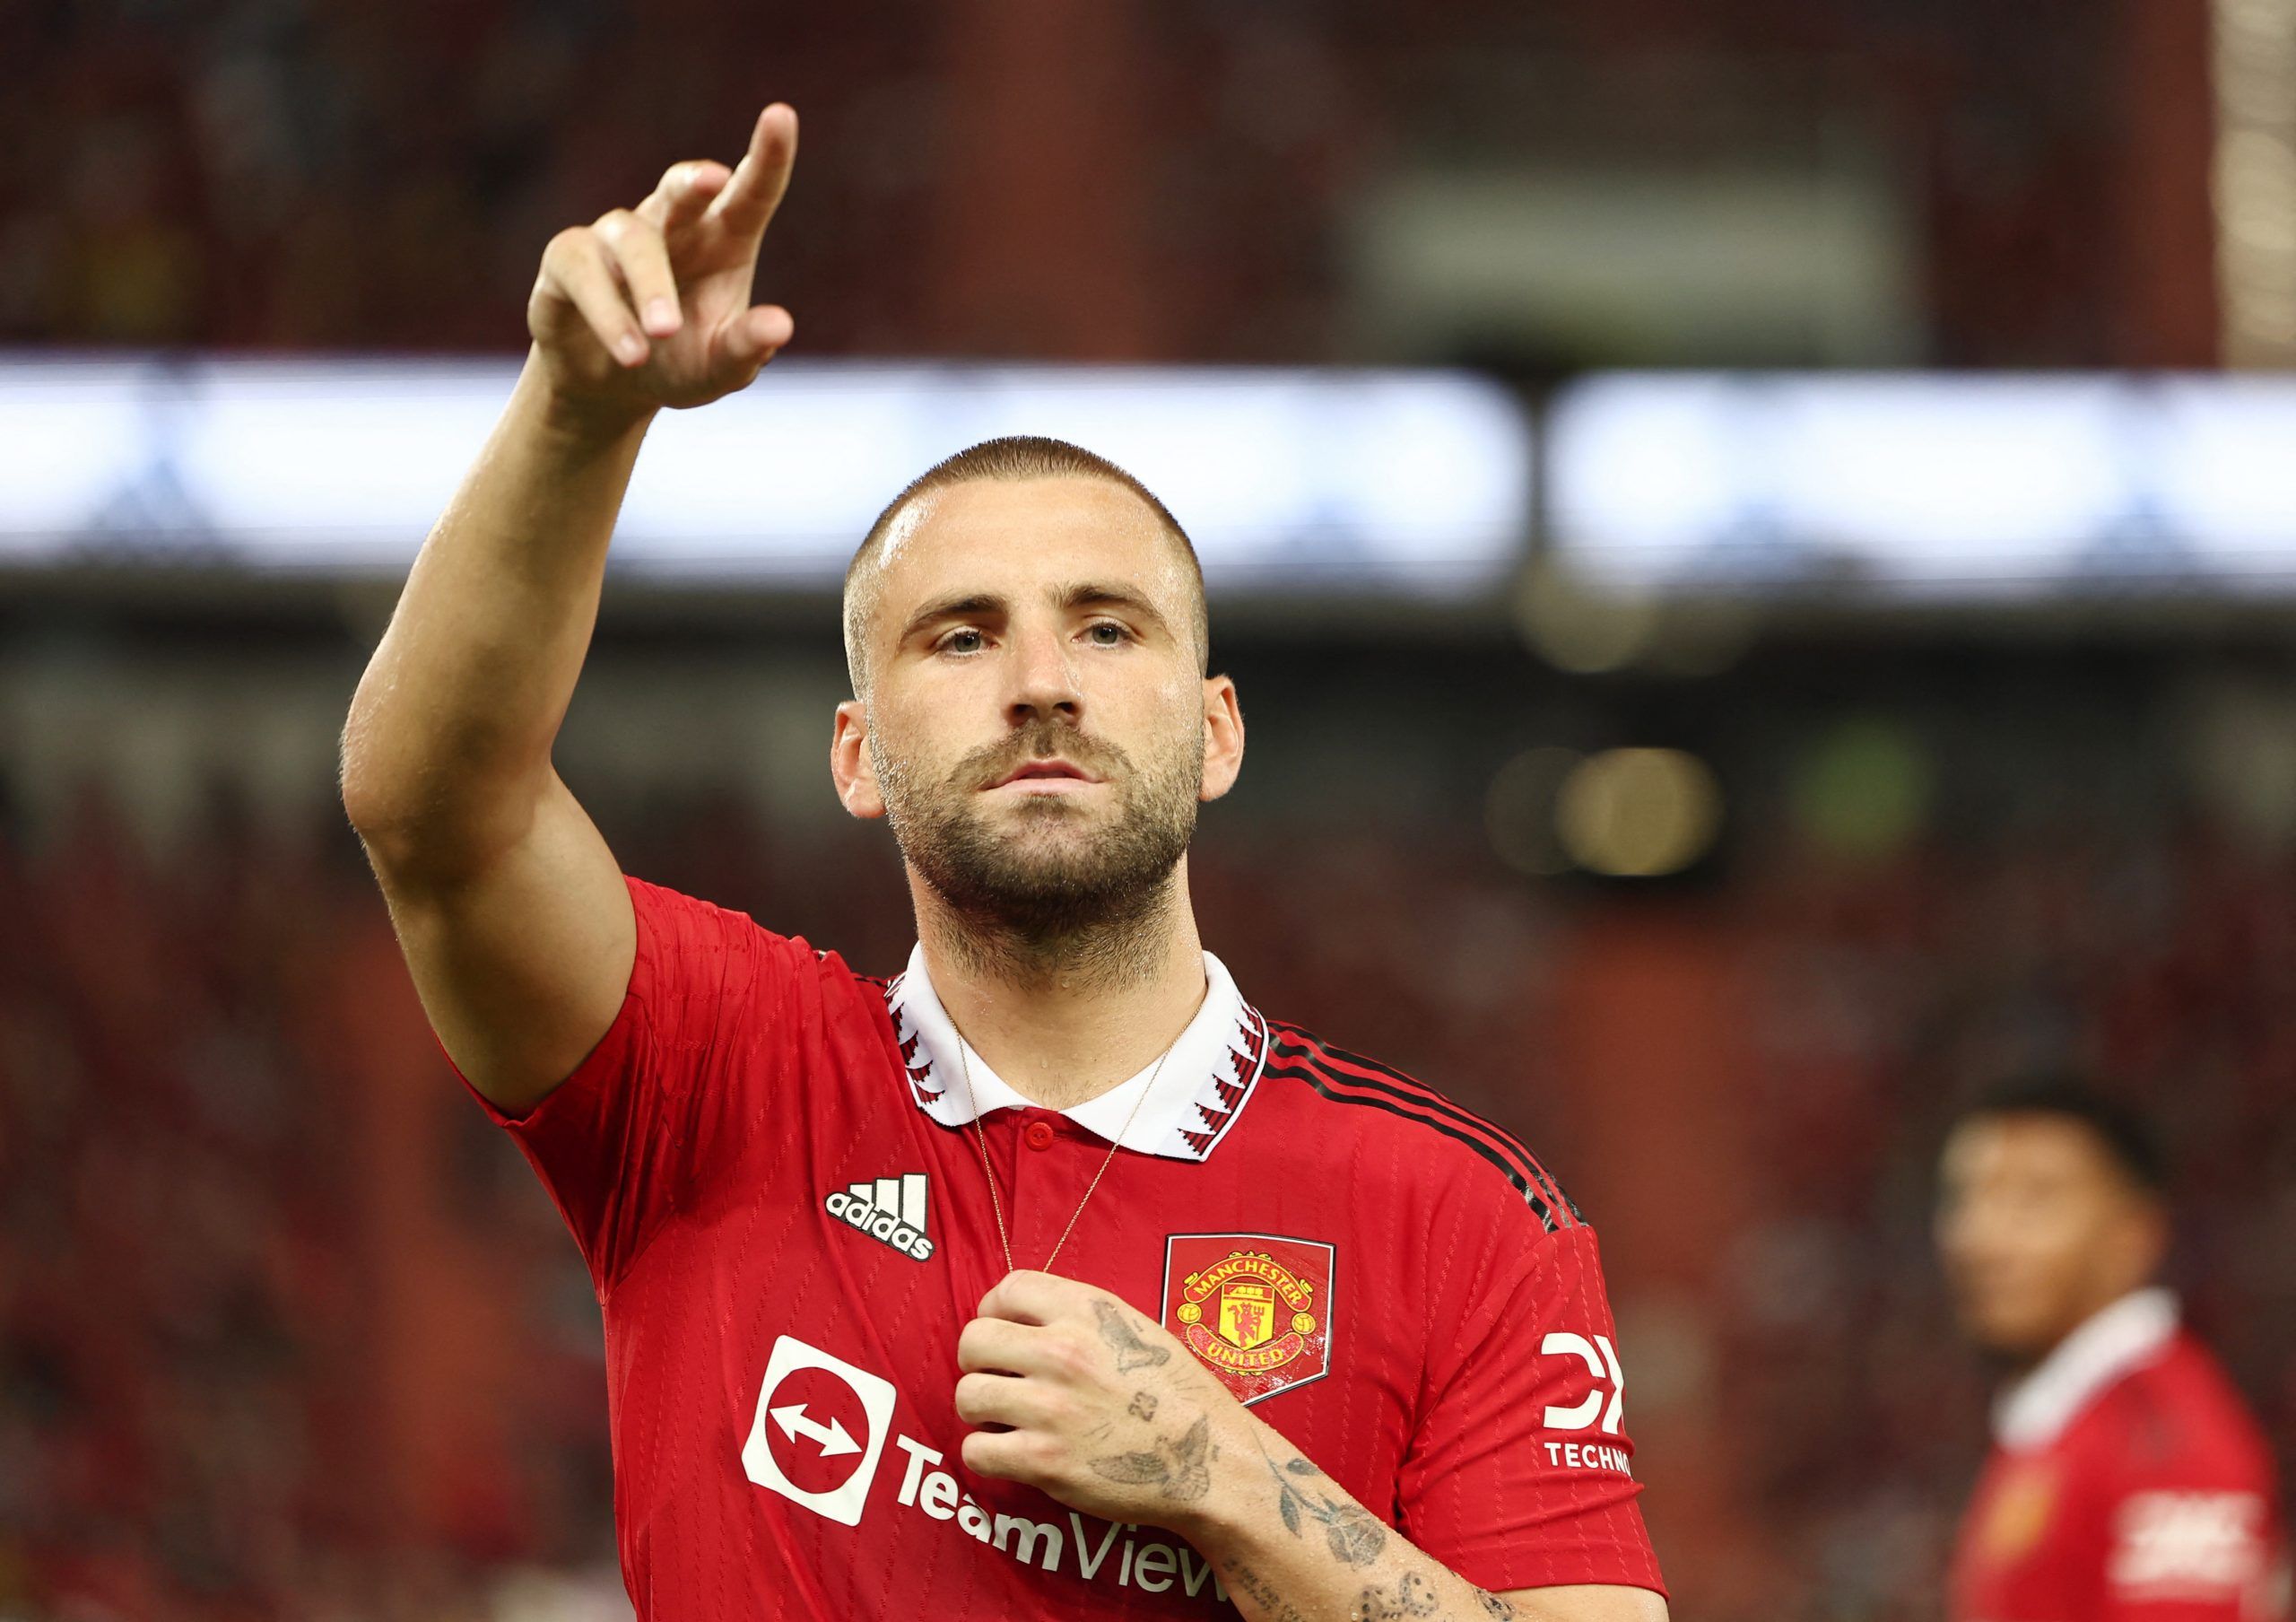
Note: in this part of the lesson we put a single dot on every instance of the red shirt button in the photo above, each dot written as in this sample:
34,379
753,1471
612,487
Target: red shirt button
1039,1135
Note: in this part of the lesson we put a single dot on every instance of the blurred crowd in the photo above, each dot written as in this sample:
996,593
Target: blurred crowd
318,173
189,1364
202,1247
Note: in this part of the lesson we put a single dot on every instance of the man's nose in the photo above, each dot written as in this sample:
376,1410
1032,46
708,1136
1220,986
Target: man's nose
1043,679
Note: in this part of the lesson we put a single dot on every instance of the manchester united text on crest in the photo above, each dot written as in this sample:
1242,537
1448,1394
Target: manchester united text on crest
1255,1309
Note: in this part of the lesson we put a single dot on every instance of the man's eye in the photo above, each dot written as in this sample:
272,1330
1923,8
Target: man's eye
965,639
1108,634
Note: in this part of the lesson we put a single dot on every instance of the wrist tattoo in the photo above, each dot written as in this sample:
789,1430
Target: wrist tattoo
1256,1588
1143,1405
1181,1466
1412,1595
1494,1607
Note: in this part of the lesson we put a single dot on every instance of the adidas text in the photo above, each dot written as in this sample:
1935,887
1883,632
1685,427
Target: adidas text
856,1210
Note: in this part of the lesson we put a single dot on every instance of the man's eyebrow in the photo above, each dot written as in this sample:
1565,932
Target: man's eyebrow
1097,594
957,605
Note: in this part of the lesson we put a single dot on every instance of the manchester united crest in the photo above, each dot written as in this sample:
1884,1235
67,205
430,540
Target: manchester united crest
2017,1511
1255,1308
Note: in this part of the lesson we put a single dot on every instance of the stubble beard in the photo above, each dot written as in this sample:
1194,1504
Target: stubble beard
1050,900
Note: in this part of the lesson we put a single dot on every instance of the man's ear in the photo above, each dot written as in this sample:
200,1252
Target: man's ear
849,765
1223,736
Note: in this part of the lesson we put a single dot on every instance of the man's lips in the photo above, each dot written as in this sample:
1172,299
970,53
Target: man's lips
1045,770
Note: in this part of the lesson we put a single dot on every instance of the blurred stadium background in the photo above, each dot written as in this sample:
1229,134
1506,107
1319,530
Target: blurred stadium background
1758,542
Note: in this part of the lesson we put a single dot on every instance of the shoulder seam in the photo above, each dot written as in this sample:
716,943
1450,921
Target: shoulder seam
1334,1062
1298,1055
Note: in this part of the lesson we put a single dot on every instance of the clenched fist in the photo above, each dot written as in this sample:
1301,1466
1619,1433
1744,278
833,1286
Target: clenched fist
649,305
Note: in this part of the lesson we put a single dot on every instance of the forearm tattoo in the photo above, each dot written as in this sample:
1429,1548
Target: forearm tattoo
1355,1539
1355,1535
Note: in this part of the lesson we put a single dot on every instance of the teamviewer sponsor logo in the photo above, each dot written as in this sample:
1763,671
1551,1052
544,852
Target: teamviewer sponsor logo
889,1209
819,1430
2193,1547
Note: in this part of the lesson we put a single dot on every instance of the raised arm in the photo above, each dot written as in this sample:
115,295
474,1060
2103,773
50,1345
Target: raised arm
509,908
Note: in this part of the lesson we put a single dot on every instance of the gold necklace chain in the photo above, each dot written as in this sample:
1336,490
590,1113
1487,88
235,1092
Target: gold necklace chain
980,1141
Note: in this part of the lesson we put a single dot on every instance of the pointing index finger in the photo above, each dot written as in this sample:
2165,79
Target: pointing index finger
755,192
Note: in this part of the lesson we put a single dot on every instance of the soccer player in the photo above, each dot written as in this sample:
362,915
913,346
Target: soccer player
1051,1278
2128,1482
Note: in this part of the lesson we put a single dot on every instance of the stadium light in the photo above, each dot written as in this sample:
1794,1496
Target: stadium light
2253,178
1924,485
1415,483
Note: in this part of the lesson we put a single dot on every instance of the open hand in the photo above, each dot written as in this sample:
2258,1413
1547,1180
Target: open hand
649,305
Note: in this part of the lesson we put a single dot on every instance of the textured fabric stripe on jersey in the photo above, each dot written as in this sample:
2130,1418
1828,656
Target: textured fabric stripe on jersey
1549,1218
1346,1078
1370,1072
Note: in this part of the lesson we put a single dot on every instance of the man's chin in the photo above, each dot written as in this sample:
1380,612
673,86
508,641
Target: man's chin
1049,861
1044,822
1054,870
2004,1344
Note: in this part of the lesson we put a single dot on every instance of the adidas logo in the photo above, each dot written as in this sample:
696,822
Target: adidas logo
891,1209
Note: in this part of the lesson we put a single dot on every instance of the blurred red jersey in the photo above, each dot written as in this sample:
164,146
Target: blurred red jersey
770,1167
2127,1483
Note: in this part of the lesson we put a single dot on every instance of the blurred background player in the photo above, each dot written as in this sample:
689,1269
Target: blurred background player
2128,1479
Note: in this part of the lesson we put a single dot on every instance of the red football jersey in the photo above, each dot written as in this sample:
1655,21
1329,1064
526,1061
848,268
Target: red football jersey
771,1169
2127,1483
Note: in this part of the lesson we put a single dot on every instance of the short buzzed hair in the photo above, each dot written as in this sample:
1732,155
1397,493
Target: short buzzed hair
1014,457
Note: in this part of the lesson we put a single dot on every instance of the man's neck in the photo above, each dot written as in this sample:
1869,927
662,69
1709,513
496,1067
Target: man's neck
2034,1407
1062,1027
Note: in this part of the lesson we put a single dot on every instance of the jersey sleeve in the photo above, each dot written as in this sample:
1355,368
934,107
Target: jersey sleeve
2189,1539
1518,1475
673,1093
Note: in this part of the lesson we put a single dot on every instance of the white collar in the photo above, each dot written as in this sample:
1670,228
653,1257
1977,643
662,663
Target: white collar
1206,1077
2115,1342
